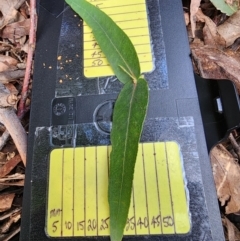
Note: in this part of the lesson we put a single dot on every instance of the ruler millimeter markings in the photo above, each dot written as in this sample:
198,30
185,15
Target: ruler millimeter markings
78,192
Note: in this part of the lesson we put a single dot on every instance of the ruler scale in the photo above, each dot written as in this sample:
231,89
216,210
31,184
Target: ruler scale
131,16
154,204
159,202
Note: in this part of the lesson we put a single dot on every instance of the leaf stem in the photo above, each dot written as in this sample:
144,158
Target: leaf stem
133,78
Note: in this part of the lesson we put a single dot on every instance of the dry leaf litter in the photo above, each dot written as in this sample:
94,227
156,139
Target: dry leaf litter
215,46
14,46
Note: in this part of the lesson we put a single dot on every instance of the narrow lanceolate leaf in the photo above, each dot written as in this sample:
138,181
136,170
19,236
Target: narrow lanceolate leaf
228,7
129,114
129,110
114,43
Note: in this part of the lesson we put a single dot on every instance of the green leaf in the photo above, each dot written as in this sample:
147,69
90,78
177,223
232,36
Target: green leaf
129,110
225,7
128,118
114,43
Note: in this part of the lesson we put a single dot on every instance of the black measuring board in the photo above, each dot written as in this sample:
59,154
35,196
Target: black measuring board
219,104
71,116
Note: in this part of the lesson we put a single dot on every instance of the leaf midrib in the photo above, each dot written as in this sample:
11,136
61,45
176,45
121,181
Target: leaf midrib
126,144
109,40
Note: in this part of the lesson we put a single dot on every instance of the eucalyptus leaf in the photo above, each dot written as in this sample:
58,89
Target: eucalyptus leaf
129,110
114,43
224,7
128,118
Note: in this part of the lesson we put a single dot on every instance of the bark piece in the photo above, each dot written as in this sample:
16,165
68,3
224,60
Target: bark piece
6,201
9,166
215,64
226,174
230,29
16,30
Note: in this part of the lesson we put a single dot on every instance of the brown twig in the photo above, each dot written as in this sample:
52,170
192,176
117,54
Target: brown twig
31,49
11,122
3,139
9,119
9,213
19,4
12,234
235,145
7,224
11,75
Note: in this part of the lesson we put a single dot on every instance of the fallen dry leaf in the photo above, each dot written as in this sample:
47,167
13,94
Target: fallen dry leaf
11,75
6,201
13,219
16,30
9,12
230,29
216,64
226,174
7,62
193,10
210,33
233,233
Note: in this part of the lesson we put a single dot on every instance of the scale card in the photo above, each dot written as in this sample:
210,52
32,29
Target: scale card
131,17
74,91
77,193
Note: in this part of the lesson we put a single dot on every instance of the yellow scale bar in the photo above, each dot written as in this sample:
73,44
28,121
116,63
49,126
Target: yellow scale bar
131,16
77,192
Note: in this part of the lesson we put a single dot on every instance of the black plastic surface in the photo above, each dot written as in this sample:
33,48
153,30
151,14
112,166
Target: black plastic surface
218,125
79,84
173,115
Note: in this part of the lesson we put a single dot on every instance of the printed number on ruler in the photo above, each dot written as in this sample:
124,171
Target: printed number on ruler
77,192
131,16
